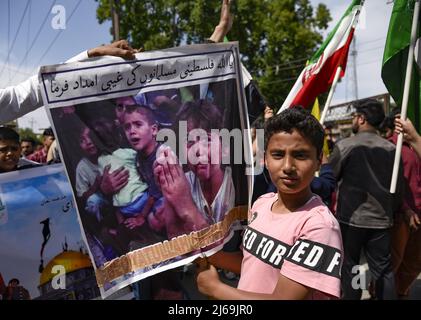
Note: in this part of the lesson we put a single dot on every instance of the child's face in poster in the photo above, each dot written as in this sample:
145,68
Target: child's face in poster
203,154
86,143
139,132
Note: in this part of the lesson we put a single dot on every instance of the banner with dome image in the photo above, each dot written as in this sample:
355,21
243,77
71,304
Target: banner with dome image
156,151
41,242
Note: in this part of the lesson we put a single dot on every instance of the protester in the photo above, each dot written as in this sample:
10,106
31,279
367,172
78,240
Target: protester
15,292
2,287
362,165
28,146
40,156
406,232
10,152
286,226
323,185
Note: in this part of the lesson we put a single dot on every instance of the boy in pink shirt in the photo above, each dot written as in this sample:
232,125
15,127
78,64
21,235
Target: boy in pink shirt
292,247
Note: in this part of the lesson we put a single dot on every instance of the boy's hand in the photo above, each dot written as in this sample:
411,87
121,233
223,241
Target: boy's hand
119,49
412,219
134,222
208,281
407,128
171,177
111,183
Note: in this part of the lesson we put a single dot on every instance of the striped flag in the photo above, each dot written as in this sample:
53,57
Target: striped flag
318,75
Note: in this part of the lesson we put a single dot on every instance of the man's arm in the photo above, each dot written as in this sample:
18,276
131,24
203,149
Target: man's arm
16,101
225,23
335,162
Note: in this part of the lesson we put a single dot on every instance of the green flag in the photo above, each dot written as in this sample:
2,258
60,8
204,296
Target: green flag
396,56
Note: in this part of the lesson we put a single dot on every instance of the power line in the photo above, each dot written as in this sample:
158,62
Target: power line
37,35
371,41
16,35
28,30
371,49
282,80
8,30
17,71
286,64
57,35
369,62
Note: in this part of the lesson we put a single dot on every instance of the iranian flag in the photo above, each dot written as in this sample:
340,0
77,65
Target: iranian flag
395,59
318,75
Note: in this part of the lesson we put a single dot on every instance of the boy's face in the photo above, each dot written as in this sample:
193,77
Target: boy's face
140,134
9,155
121,104
27,148
86,143
291,161
47,141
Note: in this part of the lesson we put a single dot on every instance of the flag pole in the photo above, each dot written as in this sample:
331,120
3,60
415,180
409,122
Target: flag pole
330,96
405,99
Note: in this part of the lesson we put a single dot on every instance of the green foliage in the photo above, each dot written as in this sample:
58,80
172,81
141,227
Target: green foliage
276,37
28,133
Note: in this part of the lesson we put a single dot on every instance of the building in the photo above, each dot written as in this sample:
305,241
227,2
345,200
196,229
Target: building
339,119
80,283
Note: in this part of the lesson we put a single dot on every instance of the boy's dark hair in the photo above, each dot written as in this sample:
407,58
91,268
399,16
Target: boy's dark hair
259,123
143,110
202,113
48,132
30,140
9,134
372,111
299,119
389,121
14,280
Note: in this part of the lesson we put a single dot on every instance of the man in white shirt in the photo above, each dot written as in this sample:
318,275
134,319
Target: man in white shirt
16,101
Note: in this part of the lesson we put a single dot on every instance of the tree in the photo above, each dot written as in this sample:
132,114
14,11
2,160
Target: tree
276,37
28,133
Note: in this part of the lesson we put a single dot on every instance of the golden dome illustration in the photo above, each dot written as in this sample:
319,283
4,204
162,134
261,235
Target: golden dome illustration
70,260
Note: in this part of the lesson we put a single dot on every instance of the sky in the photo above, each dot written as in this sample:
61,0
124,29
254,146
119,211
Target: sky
82,31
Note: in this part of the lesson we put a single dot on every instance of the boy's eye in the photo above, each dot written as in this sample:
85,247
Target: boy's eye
9,149
301,156
277,155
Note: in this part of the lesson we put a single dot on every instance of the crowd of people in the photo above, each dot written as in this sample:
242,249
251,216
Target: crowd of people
307,233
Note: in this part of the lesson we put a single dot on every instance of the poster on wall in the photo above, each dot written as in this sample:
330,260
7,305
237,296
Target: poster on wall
155,149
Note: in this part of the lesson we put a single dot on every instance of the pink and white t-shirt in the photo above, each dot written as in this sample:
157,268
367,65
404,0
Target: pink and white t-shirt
304,246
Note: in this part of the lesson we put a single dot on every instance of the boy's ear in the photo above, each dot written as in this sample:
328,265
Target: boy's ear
320,160
155,130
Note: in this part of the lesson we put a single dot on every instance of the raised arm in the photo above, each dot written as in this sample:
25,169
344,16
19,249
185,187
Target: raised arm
16,101
225,22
